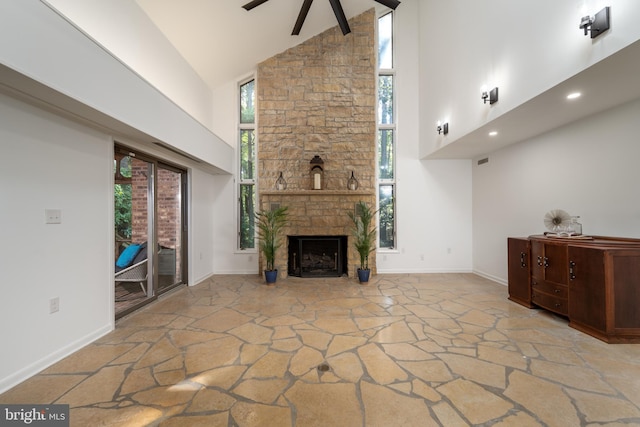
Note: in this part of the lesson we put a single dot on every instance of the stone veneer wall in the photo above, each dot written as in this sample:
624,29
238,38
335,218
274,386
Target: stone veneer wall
319,98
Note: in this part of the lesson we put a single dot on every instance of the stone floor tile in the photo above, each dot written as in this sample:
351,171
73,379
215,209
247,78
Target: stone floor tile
222,320
214,420
346,366
574,376
341,343
252,333
385,407
123,417
503,357
476,370
159,352
325,404
256,415
474,402
598,408
394,333
232,351
223,378
546,400
207,400
423,390
100,387
448,416
271,365
305,360
405,351
212,354
316,339
167,396
41,388
89,359
137,380
261,391
380,367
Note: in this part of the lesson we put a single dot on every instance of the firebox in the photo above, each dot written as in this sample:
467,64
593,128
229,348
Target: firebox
317,256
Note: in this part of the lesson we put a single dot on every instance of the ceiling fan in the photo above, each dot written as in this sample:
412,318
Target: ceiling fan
335,5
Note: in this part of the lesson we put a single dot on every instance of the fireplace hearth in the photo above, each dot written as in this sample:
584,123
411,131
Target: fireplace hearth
317,256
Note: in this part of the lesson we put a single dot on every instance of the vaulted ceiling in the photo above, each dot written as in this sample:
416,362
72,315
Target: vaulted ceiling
223,41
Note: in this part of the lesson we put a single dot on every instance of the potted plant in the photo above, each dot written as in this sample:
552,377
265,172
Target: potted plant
364,236
270,223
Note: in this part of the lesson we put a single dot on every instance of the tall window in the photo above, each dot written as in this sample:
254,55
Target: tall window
386,134
247,166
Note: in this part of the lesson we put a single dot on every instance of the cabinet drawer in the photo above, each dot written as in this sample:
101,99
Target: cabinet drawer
543,286
550,302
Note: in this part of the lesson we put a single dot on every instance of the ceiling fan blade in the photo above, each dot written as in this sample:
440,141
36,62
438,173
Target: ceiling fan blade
392,4
253,4
342,19
301,17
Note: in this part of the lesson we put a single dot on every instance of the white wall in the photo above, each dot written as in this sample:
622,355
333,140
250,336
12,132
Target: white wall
126,31
51,163
38,43
433,197
588,168
522,47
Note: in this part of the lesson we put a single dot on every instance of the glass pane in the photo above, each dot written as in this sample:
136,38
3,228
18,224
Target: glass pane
247,154
247,102
385,41
385,100
247,211
387,217
169,220
385,154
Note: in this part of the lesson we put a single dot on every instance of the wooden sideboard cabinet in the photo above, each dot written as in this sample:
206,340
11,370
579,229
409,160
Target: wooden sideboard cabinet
595,283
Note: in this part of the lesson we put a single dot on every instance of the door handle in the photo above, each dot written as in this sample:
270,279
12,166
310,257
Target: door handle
523,264
572,271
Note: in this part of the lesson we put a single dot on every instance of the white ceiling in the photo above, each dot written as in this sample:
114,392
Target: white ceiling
222,41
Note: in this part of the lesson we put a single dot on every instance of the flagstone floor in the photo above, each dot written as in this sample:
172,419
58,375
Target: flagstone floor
404,350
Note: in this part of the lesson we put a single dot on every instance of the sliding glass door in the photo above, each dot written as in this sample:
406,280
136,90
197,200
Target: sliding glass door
149,213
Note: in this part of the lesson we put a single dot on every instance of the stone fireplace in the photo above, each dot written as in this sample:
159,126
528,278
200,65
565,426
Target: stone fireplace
319,99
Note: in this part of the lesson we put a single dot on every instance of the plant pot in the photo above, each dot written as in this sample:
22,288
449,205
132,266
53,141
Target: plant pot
270,276
363,275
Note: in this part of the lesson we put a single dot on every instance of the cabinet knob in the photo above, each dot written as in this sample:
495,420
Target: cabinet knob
558,305
557,291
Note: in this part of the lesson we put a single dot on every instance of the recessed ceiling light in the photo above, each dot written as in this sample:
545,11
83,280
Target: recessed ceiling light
493,133
574,95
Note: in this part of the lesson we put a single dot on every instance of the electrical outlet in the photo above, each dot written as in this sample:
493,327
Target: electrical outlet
54,305
53,216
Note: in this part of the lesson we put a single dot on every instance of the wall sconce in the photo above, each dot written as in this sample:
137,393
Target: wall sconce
281,184
597,24
317,172
442,128
352,183
491,96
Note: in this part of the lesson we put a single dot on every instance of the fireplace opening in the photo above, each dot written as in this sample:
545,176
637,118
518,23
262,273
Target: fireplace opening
317,256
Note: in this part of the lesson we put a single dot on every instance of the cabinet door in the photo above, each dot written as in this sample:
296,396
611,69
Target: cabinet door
537,260
587,291
555,263
519,271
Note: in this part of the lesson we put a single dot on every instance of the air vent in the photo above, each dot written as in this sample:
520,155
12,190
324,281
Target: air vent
483,161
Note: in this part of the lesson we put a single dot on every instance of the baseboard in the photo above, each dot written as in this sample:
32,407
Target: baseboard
421,271
42,364
491,277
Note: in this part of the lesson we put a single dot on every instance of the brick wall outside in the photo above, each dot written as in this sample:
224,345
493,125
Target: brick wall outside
319,98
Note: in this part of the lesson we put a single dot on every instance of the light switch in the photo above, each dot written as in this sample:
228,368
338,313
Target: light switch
53,216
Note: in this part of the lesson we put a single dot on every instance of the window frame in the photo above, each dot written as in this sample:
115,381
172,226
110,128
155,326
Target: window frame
393,128
240,180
